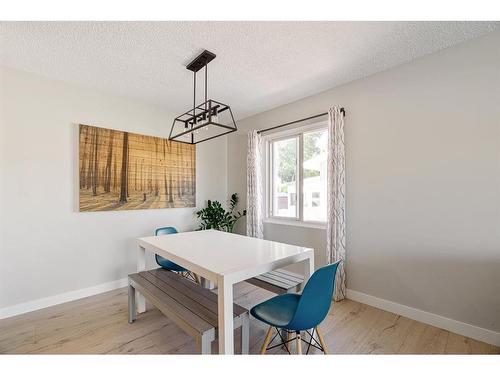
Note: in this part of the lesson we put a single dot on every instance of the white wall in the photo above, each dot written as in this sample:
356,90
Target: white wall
423,181
47,247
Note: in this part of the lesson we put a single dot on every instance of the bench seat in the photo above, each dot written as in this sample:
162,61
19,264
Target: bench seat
279,281
190,306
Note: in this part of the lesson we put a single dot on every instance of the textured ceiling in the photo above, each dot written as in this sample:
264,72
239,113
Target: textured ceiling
259,65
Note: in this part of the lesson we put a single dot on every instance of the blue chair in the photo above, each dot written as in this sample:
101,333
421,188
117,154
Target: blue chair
293,312
167,264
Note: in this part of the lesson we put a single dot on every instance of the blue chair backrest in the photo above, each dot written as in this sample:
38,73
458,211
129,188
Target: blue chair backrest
165,263
165,230
316,299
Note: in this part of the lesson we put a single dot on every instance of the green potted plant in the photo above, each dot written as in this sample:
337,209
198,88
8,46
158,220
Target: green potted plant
214,216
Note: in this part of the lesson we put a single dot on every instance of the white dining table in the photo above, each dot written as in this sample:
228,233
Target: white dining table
225,259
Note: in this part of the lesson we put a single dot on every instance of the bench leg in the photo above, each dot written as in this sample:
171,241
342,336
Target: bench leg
205,344
207,284
131,304
245,334
141,266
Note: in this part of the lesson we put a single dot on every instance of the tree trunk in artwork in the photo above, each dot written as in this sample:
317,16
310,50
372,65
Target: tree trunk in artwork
135,175
84,136
127,185
165,169
150,181
142,177
114,174
95,173
193,167
179,176
164,166
183,170
170,195
107,172
157,189
88,179
123,178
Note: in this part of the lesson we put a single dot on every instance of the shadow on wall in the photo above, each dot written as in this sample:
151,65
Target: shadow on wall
450,287
294,235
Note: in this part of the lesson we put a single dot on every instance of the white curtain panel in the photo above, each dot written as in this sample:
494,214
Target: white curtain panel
336,232
254,186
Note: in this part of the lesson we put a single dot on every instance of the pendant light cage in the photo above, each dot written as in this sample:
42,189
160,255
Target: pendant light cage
208,120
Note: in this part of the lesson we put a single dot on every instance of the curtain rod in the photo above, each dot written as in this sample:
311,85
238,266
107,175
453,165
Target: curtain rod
342,110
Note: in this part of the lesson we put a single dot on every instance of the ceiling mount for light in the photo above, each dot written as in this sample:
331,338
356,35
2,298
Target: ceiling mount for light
207,120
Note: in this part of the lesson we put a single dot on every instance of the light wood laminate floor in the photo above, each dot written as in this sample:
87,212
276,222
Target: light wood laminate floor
98,324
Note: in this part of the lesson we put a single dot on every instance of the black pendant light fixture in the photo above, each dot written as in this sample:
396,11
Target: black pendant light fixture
207,120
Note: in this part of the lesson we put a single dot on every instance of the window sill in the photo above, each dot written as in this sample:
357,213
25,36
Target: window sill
295,223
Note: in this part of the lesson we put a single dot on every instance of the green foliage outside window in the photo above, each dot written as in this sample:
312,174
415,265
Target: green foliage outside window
287,152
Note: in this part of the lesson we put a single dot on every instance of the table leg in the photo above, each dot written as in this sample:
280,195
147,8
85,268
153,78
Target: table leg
141,266
308,269
225,309
245,334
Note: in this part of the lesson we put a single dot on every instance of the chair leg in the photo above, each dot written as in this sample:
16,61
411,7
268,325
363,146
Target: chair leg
266,340
289,339
192,276
321,340
299,343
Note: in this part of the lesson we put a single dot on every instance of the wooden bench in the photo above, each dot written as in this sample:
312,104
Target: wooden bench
190,306
278,281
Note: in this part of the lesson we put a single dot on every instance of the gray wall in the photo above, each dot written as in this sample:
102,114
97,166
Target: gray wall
423,181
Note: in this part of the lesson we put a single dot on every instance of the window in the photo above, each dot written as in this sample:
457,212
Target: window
296,178
284,177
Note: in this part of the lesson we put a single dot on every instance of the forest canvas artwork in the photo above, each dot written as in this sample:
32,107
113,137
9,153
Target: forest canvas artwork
125,171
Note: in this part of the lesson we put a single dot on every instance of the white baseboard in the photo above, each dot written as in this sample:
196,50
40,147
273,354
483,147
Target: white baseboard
25,307
455,326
